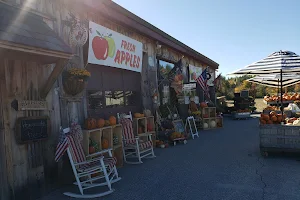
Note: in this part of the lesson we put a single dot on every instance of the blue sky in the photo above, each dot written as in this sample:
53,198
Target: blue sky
234,33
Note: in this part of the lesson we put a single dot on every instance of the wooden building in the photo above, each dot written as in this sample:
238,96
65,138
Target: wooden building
35,47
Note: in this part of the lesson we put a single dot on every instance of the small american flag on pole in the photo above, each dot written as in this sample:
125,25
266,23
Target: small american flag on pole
202,81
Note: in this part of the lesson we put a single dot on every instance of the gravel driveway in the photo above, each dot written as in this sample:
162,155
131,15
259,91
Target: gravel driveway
223,164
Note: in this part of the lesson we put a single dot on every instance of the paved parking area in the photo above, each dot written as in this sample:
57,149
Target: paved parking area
223,164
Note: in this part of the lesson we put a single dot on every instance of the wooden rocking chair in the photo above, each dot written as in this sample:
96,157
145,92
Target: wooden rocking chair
85,166
133,146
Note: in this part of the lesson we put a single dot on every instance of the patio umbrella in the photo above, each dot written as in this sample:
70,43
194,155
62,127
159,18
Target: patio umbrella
277,63
273,80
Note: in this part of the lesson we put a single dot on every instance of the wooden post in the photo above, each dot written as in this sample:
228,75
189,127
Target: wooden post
53,77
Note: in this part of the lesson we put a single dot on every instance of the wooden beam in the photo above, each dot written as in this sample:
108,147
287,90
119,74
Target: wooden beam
53,77
34,50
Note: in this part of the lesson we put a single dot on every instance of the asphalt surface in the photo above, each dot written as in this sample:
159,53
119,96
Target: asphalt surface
222,164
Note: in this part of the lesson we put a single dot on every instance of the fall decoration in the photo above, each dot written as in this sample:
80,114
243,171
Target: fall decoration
112,120
203,105
100,123
90,123
104,143
74,80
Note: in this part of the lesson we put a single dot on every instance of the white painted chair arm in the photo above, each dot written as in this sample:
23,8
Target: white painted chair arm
99,153
89,161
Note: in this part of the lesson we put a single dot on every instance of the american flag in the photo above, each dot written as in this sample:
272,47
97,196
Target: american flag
62,146
202,81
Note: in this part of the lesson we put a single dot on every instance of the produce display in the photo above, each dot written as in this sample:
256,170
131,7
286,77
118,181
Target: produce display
285,97
92,123
243,110
272,108
272,118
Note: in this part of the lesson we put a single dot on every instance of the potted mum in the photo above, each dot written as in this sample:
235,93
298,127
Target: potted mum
74,80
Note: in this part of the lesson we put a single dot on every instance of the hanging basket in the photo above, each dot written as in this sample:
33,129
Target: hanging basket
75,80
73,85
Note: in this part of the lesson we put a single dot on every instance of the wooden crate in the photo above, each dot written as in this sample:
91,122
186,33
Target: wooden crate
95,134
136,124
106,132
151,122
118,153
279,137
117,132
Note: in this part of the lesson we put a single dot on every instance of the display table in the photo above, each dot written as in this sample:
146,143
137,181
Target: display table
279,138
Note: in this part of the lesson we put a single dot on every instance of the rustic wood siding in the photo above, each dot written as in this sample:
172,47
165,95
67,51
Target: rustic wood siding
26,162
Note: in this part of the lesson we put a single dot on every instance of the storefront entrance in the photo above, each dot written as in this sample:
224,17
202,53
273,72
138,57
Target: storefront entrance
111,90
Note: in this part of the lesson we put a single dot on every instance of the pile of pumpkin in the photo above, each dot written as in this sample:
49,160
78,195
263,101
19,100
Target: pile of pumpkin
271,118
285,97
271,108
176,135
92,123
243,110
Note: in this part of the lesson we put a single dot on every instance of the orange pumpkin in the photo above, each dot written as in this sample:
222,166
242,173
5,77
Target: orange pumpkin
112,120
137,115
269,122
266,117
90,123
100,123
104,143
273,113
274,118
262,121
203,105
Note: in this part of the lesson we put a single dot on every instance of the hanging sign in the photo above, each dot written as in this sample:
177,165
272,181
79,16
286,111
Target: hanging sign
194,73
109,48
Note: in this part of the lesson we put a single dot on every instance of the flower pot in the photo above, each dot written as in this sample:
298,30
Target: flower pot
73,85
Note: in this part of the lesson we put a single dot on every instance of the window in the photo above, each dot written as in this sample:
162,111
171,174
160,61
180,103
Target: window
132,98
114,99
164,68
95,99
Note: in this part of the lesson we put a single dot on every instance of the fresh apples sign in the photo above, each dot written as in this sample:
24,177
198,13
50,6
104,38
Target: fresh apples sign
107,47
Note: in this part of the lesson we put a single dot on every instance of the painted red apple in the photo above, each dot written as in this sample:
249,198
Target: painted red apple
100,47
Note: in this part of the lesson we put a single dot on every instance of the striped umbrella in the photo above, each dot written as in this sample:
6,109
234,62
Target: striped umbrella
277,63
273,80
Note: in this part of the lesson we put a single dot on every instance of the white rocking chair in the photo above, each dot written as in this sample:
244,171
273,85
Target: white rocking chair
86,166
133,146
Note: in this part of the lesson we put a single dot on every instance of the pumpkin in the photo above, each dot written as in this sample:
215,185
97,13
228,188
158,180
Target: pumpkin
107,123
205,125
137,115
100,123
269,122
92,150
274,118
142,115
203,105
279,118
147,113
104,143
263,121
213,124
90,123
273,113
266,117
112,120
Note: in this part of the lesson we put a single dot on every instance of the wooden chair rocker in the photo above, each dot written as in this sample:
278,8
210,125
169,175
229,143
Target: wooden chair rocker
133,146
91,168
